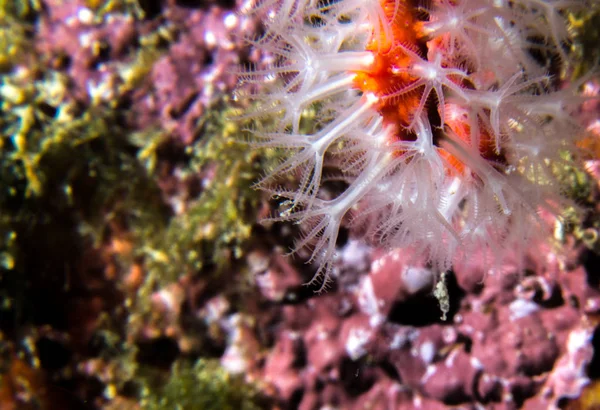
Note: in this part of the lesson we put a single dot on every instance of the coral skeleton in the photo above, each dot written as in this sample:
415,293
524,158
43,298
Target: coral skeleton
443,119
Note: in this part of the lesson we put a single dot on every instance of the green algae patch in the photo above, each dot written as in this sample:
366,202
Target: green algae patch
205,385
586,34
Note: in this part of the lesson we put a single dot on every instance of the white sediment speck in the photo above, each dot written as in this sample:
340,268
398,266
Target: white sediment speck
521,308
210,38
85,15
230,21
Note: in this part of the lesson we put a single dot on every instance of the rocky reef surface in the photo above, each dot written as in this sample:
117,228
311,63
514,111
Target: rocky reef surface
135,272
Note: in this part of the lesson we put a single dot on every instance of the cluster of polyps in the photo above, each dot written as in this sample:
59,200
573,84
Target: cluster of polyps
441,118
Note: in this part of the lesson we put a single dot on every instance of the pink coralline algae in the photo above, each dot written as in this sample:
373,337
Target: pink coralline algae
90,49
511,341
197,70
193,55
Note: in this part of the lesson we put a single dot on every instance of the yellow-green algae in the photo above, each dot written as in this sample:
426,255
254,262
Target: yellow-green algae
203,386
70,171
585,26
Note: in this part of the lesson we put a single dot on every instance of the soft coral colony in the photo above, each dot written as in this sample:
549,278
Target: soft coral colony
446,120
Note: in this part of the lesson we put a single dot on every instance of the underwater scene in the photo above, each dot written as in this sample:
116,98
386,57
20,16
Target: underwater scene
299,204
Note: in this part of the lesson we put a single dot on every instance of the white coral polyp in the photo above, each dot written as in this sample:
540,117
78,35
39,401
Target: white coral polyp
479,64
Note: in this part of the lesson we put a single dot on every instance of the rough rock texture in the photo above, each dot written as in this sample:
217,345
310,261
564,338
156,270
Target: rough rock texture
374,340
